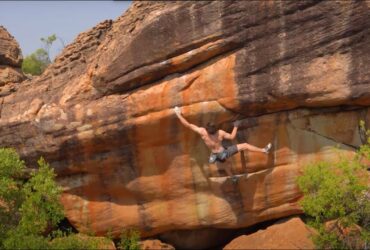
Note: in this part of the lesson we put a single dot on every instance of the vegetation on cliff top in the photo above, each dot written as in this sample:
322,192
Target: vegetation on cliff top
37,62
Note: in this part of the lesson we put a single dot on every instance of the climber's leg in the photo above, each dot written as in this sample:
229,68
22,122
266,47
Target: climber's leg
246,146
228,169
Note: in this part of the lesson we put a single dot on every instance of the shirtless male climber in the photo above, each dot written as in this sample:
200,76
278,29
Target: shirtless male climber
213,137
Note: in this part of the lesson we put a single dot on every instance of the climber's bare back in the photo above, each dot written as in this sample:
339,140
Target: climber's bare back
213,142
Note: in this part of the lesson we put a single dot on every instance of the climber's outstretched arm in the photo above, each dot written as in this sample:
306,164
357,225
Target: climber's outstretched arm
186,123
231,136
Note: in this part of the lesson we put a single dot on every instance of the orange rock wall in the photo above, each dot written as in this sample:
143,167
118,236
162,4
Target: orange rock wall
102,115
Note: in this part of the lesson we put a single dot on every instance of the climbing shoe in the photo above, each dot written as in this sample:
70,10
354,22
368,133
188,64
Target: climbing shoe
266,149
234,179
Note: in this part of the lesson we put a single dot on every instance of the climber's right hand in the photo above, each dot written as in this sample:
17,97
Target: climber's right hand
177,111
237,123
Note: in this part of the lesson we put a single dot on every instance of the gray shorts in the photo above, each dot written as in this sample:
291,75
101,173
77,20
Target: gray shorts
222,156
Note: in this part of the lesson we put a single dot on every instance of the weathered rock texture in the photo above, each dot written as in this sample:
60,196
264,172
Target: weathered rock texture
10,59
295,72
285,234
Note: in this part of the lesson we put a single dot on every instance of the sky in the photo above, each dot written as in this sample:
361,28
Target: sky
28,21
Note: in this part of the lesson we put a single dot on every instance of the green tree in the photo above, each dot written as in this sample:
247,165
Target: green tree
30,208
48,42
37,62
41,207
338,192
27,208
11,192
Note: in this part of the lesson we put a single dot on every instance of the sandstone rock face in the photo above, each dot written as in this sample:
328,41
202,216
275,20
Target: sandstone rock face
10,54
285,234
295,72
10,59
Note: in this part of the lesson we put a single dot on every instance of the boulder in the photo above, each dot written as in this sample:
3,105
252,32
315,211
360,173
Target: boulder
285,234
10,59
10,75
294,72
154,244
10,53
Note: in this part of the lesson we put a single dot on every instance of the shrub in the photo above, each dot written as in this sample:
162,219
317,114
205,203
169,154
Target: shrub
16,239
35,63
338,192
11,192
129,240
29,208
41,207
77,241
